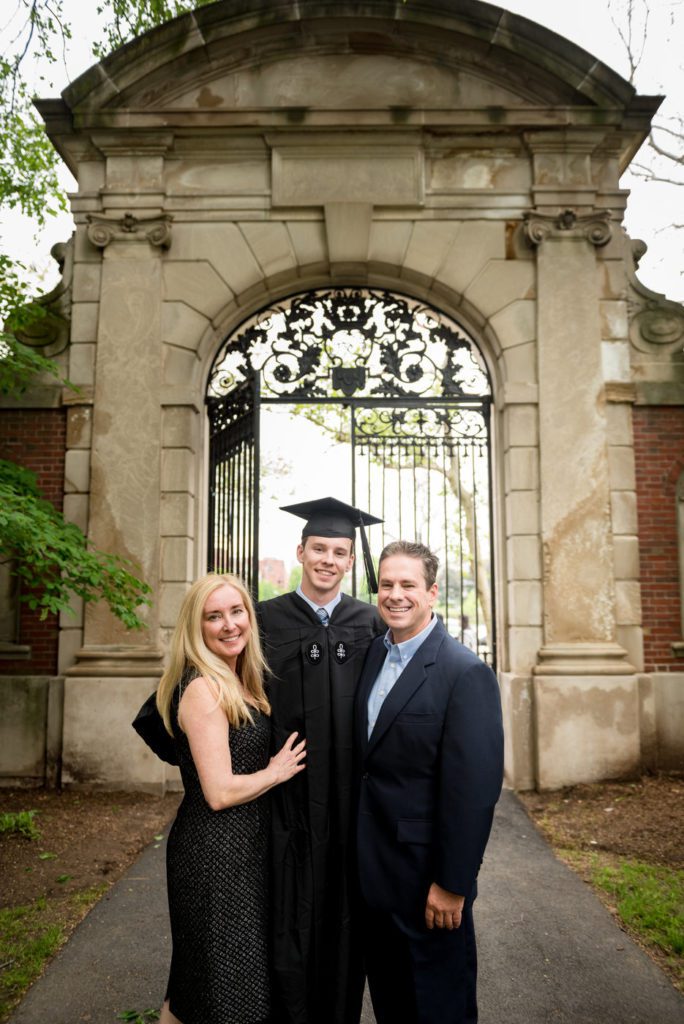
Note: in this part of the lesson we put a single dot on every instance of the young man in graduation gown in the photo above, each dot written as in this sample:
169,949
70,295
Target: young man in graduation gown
315,640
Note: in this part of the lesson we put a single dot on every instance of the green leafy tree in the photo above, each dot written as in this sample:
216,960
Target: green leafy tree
51,557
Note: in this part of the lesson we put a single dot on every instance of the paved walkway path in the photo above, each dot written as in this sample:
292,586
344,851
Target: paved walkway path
549,952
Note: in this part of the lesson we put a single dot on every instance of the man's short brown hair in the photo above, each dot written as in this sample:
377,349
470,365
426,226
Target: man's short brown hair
413,549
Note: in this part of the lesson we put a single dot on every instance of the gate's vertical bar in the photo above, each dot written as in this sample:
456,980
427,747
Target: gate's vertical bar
384,482
212,491
352,435
256,496
486,413
243,505
445,513
459,498
429,488
415,493
476,546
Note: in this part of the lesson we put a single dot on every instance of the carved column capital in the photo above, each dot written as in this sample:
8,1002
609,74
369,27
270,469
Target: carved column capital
104,228
595,227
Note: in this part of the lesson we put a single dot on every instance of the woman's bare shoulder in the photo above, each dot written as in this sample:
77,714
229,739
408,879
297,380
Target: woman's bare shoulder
199,692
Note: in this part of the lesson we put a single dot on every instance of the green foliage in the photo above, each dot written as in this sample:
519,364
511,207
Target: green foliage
27,940
28,160
52,558
19,823
295,577
19,364
649,899
267,590
138,1016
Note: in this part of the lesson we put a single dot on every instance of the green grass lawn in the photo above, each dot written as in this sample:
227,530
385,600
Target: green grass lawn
647,898
650,900
30,935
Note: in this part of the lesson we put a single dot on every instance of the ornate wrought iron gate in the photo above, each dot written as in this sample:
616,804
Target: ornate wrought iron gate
414,396
234,482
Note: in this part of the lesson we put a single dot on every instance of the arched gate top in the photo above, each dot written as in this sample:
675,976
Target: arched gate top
351,342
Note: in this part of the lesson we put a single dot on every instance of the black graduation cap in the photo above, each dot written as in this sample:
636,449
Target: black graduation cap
328,517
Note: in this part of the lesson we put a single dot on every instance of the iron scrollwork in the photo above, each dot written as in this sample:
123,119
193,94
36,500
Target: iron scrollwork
429,426
349,342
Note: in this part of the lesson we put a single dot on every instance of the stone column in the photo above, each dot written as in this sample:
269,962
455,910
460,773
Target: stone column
117,668
585,692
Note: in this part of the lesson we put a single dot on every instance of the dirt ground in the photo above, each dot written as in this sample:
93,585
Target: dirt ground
88,839
643,820
92,837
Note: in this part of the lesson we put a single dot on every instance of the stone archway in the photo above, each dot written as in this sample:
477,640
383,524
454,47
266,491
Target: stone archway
234,157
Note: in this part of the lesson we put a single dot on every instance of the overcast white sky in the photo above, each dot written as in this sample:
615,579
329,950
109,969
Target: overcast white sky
652,207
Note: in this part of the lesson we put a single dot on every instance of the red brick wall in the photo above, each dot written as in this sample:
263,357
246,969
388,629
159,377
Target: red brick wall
659,452
36,438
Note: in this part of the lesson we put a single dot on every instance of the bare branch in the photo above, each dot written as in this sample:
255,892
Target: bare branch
631,32
648,174
664,152
676,134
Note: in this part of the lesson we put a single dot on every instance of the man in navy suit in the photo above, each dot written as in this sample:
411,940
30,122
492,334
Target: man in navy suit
430,740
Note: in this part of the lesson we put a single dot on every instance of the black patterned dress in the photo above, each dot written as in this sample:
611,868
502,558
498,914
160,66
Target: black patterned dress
217,874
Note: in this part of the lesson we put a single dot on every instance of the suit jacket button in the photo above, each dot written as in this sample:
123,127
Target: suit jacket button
364,776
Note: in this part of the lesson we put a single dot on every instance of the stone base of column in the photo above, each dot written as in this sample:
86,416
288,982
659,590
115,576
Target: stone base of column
517,707
101,749
585,714
117,660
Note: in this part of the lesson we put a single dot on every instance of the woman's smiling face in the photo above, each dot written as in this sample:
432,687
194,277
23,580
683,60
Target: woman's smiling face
225,624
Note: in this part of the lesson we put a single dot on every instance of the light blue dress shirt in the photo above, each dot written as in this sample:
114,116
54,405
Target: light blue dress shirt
329,607
398,657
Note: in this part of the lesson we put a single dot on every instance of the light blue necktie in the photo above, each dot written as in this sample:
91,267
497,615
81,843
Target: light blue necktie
323,616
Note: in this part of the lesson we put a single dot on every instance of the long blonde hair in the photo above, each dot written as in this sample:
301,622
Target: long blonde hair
189,651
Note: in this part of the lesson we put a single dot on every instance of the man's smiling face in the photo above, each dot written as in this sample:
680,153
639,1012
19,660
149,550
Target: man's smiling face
325,562
404,599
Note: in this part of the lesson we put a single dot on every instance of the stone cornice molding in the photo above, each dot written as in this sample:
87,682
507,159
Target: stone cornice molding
104,228
595,227
582,659
132,143
656,324
103,660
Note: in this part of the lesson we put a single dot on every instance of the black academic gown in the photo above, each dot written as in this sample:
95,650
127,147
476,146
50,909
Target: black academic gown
314,672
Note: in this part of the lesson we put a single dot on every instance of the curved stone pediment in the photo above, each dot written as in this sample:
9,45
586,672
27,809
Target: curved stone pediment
235,55
338,82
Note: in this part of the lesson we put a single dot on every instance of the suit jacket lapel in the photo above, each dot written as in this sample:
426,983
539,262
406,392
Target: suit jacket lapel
374,659
409,681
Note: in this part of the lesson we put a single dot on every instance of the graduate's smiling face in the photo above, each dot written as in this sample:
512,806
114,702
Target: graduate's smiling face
225,624
325,562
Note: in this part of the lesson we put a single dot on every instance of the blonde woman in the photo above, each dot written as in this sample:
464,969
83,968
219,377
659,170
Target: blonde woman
212,700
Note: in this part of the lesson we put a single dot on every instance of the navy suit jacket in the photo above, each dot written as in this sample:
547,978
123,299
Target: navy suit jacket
429,776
